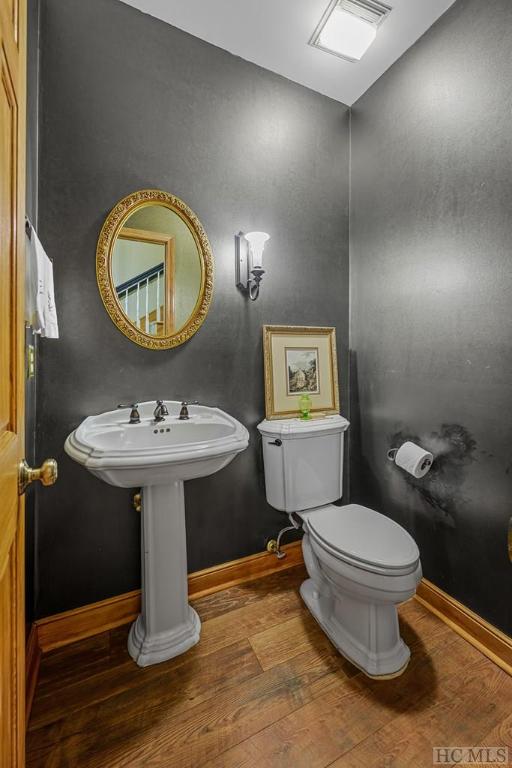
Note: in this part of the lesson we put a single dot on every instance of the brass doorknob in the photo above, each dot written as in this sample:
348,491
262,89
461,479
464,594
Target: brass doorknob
47,474
137,502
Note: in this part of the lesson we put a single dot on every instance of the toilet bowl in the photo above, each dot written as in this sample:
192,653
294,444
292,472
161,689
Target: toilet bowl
361,564
354,586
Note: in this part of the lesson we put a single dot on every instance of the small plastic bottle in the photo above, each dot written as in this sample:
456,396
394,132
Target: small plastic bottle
305,404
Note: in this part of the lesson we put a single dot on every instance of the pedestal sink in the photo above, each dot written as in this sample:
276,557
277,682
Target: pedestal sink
159,457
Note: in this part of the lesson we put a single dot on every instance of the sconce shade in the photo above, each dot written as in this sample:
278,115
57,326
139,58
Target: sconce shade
257,242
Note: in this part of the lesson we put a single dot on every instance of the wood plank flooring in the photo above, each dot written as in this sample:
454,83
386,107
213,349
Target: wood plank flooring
264,687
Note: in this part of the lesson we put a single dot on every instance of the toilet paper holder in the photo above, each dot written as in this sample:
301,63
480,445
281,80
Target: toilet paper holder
392,456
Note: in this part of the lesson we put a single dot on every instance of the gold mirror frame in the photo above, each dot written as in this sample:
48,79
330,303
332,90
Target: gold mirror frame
108,236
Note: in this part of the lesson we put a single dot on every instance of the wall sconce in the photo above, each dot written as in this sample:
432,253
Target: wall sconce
249,261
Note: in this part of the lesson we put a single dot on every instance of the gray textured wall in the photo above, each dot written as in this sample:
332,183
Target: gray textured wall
128,102
431,239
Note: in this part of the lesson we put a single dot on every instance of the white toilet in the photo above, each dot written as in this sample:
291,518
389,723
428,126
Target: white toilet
361,564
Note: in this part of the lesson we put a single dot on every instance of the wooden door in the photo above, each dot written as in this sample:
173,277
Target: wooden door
12,234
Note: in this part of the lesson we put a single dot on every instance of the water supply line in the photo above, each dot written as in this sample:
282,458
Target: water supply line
274,545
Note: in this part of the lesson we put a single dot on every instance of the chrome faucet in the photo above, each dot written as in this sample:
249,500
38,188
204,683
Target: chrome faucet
134,413
160,411
184,410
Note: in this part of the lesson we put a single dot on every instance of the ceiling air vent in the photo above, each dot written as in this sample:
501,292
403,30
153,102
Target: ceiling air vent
349,27
366,9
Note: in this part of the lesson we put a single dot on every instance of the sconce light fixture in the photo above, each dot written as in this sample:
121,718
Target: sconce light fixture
249,262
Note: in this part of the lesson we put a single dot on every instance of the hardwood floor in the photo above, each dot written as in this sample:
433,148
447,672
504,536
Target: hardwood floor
264,687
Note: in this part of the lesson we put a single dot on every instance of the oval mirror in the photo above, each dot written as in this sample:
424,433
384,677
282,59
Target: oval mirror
155,269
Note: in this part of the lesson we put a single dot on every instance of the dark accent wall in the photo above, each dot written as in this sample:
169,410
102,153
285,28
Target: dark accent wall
129,102
431,238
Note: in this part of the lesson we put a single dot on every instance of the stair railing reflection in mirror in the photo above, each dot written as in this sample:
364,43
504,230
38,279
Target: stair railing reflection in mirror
142,293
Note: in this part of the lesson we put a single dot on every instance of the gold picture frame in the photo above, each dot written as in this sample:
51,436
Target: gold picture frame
300,360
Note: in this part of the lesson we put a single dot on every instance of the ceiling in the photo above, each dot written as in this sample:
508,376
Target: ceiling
275,35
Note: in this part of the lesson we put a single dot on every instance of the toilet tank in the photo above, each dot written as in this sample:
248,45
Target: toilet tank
303,461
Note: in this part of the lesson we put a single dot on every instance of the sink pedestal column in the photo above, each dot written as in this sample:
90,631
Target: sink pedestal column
168,625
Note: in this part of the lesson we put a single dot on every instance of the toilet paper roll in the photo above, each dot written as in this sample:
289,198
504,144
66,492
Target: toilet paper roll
414,459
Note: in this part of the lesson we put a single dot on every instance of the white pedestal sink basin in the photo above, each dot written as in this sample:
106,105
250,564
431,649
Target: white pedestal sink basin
159,456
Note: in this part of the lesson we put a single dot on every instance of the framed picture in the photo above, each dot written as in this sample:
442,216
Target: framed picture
299,361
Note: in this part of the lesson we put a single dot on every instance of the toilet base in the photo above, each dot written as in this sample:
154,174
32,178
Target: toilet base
367,634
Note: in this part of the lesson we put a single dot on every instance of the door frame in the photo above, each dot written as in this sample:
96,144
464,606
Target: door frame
13,65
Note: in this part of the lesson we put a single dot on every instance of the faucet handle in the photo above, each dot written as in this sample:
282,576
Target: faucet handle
134,412
184,409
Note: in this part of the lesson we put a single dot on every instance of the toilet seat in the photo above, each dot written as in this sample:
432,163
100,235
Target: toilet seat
363,538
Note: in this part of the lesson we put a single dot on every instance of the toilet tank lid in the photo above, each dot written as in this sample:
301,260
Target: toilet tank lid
289,428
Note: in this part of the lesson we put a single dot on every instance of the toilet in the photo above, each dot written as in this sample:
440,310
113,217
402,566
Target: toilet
361,564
